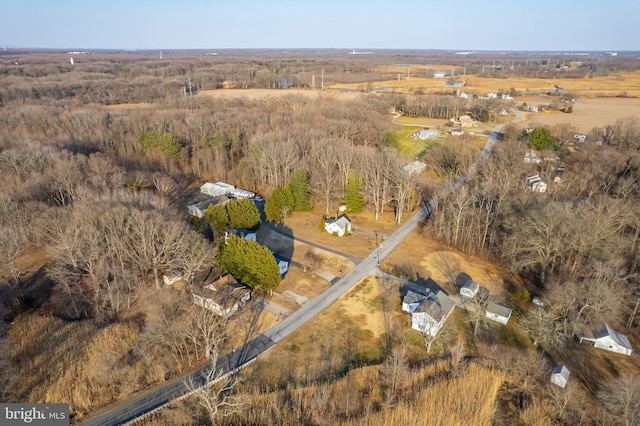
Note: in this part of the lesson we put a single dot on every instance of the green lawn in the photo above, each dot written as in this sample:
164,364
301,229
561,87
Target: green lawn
411,148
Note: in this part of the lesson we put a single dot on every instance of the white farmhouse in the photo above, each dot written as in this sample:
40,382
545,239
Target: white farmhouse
610,340
340,225
429,316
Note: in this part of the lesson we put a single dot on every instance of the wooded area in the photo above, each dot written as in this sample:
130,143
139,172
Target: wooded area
99,160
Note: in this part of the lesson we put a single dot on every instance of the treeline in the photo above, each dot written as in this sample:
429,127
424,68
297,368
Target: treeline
578,241
447,107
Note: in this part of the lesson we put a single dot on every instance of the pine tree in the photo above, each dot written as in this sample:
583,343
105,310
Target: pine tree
249,262
278,205
541,138
353,194
243,214
217,217
300,191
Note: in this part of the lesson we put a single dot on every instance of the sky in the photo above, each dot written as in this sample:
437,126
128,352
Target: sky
548,25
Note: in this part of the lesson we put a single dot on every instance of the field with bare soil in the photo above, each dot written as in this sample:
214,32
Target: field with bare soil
612,85
587,112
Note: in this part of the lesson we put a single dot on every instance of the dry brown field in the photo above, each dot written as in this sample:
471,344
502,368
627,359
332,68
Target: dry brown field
612,85
255,94
428,257
587,112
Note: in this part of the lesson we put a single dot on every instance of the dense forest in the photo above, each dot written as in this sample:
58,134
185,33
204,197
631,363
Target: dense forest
92,215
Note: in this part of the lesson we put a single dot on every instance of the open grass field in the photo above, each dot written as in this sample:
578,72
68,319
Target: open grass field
255,94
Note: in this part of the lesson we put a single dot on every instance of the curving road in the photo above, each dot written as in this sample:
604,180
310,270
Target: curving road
172,390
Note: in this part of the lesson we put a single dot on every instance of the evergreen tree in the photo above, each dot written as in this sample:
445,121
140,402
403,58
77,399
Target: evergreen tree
278,205
300,191
541,138
217,217
353,195
243,214
160,141
249,262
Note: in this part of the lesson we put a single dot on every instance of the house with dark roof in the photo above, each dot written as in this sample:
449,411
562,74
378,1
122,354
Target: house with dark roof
610,340
223,297
431,313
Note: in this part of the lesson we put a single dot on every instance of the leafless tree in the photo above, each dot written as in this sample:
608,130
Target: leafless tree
395,372
621,400
324,177
13,243
217,394
544,327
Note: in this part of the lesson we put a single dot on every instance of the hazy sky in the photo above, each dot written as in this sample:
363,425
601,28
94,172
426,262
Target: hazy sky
349,24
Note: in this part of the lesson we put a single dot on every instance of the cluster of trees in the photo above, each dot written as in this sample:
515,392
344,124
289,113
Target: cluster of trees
578,241
447,106
239,214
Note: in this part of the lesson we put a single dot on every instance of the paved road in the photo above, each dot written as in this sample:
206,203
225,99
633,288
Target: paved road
157,398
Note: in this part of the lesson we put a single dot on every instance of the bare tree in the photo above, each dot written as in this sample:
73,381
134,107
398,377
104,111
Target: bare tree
216,392
325,177
12,244
395,372
621,400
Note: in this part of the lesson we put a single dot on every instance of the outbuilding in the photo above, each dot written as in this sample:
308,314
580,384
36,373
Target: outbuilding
498,313
560,376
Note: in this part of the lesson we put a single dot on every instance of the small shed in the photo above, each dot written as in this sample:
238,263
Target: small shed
283,265
498,313
560,376
469,289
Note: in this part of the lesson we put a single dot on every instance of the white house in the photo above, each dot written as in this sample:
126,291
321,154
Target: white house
498,313
536,184
470,289
424,134
414,168
580,137
560,376
217,188
174,277
429,316
531,157
610,340
340,225
223,297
